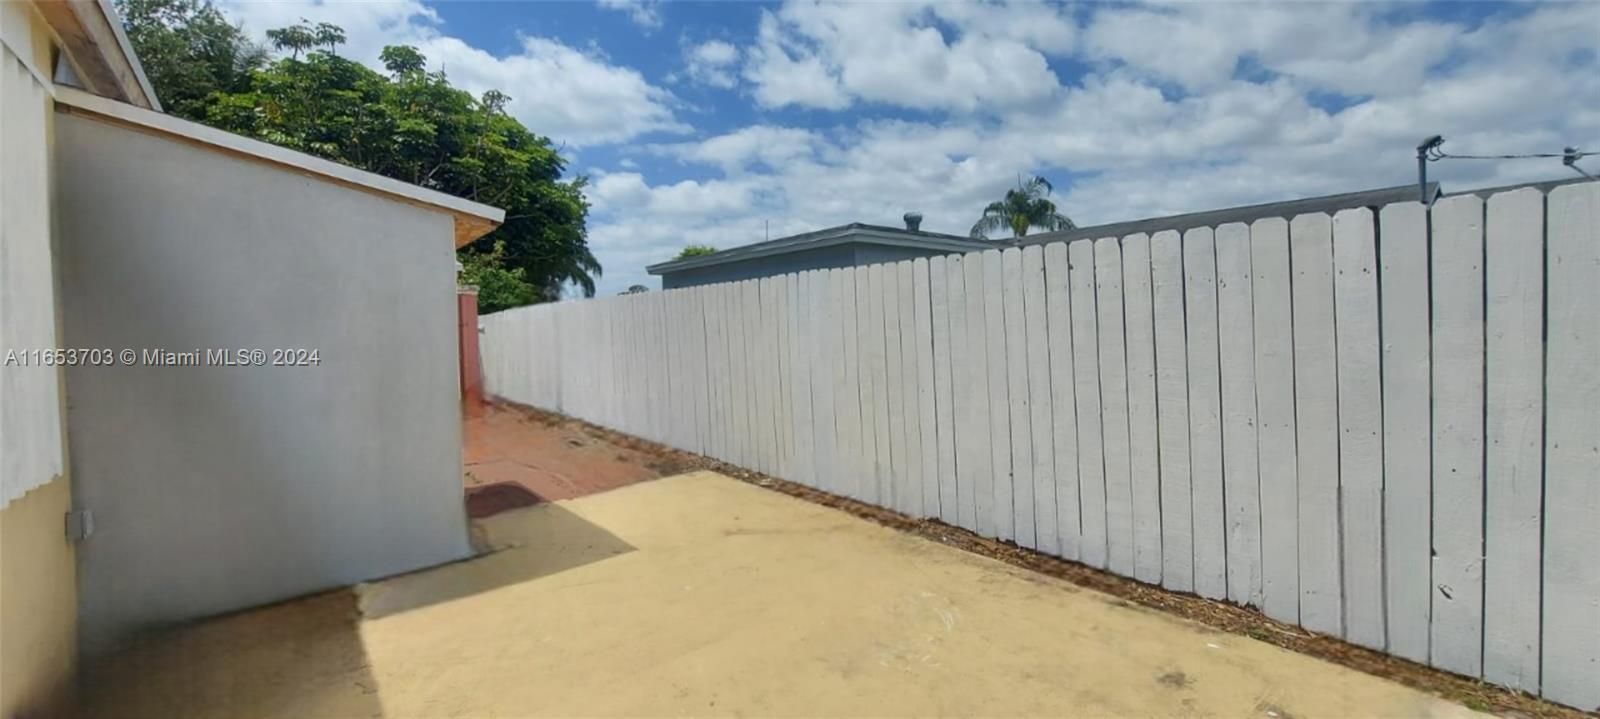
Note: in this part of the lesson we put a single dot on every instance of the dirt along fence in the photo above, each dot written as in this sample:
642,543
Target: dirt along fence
1382,426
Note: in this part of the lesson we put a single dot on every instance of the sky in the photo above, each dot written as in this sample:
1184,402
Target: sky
724,123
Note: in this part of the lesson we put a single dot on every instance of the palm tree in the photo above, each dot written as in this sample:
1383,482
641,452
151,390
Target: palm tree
1025,207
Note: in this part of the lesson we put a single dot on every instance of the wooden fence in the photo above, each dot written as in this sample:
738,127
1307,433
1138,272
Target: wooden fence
1382,426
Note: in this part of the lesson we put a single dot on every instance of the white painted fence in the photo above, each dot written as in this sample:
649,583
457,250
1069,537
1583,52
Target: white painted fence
1371,433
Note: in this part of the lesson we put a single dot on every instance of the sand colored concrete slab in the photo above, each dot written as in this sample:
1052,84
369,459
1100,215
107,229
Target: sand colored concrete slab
698,594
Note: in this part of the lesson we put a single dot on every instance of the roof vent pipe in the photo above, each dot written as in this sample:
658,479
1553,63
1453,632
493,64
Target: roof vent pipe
913,221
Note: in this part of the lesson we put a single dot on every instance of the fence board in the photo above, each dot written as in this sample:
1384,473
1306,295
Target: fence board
823,348
869,345
1407,437
1241,479
927,477
1002,522
801,340
1036,326
1316,404
1205,414
1086,381
1143,453
1571,647
847,390
1278,465
1114,404
976,357
1172,410
1020,419
1063,400
894,390
1514,430
911,470
1457,643
1360,425
858,425
941,276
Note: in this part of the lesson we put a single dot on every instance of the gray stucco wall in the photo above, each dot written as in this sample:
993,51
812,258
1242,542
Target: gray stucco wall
216,488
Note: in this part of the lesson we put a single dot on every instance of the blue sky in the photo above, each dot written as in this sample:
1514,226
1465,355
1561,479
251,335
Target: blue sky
706,122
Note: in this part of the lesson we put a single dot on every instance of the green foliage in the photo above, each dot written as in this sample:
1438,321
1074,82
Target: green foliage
695,251
411,125
189,50
1023,208
499,287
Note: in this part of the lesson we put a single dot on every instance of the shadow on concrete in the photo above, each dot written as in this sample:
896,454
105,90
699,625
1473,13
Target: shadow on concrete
520,545
300,658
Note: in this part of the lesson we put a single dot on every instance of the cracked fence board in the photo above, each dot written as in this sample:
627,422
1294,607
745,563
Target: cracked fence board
1063,402
1275,420
1002,524
1457,640
855,427
911,503
1241,479
1039,400
1172,408
1407,437
877,354
927,413
1514,432
1205,414
1571,647
894,391
1020,416
942,275
1114,404
1355,284
970,391
1086,380
1144,462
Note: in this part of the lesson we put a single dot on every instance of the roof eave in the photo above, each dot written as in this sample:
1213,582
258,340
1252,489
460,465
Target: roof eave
90,32
827,238
472,219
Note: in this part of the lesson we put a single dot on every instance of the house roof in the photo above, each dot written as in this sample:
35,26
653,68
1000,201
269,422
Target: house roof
1245,214
855,232
98,51
472,219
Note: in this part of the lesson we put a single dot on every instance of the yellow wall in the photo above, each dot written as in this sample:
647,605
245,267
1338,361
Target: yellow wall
38,599
38,587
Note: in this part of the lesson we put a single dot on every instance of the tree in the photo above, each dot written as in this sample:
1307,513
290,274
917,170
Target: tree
189,50
635,290
499,287
409,124
694,251
1025,207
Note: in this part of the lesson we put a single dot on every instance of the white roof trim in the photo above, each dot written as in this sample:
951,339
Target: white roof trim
195,132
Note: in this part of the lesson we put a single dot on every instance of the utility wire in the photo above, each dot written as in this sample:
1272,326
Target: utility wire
1434,154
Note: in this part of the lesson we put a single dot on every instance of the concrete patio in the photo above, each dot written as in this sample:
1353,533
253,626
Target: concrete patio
699,594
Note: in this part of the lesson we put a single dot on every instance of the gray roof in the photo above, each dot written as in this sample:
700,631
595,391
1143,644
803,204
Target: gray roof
852,233
1245,214
1545,186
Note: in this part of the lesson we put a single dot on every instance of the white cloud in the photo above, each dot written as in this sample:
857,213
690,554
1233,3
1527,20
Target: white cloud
712,63
644,13
1122,142
929,56
573,96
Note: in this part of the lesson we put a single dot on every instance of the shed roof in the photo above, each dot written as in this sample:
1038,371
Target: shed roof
1246,213
472,219
853,232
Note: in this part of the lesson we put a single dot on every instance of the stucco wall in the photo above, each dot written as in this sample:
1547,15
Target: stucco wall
38,602
216,488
